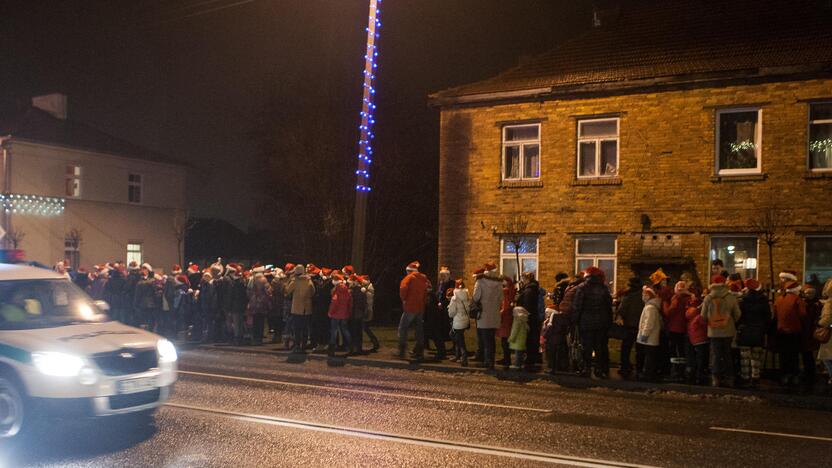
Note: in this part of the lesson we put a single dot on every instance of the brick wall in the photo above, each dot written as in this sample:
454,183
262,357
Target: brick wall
666,171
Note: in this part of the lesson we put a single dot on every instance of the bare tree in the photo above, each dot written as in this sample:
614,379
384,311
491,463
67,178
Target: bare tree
770,222
15,238
182,223
515,230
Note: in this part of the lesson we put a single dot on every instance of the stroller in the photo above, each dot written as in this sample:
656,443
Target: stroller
576,351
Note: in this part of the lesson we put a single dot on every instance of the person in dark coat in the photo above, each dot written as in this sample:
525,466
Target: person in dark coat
437,325
751,331
320,308
114,294
129,294
144,299
562,281
529,298
275,317
592,309
259,305
628,315
237,303
207,305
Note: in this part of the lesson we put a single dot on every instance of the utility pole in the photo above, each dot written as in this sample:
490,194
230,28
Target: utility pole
365,145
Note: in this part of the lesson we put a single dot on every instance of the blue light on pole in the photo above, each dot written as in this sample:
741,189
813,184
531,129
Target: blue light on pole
368,107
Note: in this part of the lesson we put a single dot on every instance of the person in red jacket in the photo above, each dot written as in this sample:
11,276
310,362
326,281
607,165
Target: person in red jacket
789,312
698,344
506,318
676,326
340,310
413,292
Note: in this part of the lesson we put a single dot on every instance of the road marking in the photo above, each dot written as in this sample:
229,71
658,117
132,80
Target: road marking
413,440
366,392
776,434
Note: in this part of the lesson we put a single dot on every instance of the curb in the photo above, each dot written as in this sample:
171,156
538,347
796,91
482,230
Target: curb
814,402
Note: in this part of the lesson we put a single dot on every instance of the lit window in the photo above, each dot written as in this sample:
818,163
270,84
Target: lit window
134,253
818,258
521,152
597,251
134,188
820,136
72,252
738,141
739,254
526,247
72,181
597,148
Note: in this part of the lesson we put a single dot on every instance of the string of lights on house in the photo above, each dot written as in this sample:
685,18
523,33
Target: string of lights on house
368,107
32,204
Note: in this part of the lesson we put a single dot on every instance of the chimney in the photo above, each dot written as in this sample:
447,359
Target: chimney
54,104
605,13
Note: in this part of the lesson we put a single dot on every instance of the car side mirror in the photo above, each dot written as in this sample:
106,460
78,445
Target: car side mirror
102,306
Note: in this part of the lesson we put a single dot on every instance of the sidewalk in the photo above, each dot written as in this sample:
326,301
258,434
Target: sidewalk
818,397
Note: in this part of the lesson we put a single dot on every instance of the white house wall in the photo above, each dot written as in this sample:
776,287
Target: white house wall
102,213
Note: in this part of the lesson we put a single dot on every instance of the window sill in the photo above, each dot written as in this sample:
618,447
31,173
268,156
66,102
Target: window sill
739,178
520,184
827,174
597,181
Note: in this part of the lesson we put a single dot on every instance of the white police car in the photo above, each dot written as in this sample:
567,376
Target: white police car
61,354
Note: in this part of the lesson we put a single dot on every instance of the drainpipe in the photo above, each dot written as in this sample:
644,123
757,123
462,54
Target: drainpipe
5,181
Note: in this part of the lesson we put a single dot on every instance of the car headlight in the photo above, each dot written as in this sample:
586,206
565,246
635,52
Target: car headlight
166,350
57,364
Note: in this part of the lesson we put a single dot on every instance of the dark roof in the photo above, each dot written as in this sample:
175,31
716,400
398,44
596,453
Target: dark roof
652,42
33,124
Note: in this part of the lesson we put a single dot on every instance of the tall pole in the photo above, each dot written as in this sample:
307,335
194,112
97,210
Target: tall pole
365,145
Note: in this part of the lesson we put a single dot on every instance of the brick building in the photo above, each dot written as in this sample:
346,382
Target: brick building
656,138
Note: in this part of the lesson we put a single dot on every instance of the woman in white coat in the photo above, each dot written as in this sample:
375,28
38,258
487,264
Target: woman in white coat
649,332
458,311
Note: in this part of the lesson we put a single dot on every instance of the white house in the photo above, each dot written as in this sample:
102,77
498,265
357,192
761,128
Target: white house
81,195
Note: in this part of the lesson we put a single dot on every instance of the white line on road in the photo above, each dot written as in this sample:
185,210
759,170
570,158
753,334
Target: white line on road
413,440
775,434
366,392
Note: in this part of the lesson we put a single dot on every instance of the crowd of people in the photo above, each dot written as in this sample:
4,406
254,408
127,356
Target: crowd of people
720,334
303,306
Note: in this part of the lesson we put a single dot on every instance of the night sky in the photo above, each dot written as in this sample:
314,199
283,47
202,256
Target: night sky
189,78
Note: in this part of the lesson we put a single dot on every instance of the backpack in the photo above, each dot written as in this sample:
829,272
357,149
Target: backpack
718,318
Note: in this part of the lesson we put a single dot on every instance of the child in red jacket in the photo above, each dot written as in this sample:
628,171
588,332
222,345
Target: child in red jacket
698,345
340,310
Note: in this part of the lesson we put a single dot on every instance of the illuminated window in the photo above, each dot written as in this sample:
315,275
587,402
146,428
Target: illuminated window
739,254
598,251
134,188
597,148
521,152
72,180
527,247
134,253
820,136
738,141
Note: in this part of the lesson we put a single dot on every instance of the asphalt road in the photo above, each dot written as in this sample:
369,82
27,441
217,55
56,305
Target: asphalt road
236,409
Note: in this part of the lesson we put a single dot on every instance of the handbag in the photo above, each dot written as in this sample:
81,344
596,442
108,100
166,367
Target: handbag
476,310
822,334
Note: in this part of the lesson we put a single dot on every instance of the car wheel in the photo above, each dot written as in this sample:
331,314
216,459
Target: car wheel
13,411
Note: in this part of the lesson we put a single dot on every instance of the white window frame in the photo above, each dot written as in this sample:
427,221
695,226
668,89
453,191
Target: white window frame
805,242
72,255
596,257
75,177
809,132
140,251
758,145
735,235
598,141
522,160
511,256
139,185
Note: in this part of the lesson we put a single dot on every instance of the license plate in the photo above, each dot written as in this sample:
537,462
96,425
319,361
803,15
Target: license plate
136,385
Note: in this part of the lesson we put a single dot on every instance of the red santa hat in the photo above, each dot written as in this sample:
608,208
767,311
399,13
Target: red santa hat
752,284
479,271
193,268
348,269
176,269
289,267
326,271
337,279
489,267
648,291
681,286
717,279
412,266
788,275
312,269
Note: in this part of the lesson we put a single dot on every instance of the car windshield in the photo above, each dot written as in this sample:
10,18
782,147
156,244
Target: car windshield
45,303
